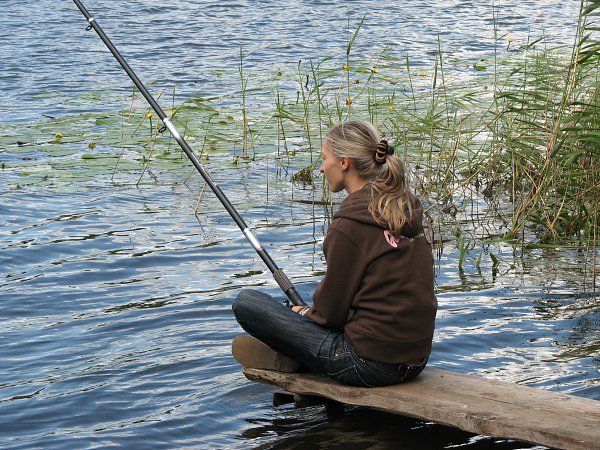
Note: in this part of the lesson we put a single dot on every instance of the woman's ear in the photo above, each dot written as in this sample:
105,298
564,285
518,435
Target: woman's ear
345,162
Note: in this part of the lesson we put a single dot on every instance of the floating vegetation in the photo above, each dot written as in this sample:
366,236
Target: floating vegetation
506,148
304,176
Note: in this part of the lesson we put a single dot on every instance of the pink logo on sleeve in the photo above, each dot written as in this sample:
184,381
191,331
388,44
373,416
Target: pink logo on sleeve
389,237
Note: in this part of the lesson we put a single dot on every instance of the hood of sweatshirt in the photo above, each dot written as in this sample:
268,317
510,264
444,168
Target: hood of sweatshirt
356,207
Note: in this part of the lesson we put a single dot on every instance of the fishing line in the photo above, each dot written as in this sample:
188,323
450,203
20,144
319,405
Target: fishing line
282,280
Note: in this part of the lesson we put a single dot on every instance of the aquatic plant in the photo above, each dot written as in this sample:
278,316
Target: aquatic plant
505,149
546,136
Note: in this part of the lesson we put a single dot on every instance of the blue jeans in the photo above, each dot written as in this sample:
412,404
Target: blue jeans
319,349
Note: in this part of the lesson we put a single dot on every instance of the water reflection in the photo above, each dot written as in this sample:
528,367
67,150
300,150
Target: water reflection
115,299
124,316
359,428
61,70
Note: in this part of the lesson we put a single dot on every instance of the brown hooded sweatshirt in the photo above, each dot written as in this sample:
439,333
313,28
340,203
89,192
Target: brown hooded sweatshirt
387,282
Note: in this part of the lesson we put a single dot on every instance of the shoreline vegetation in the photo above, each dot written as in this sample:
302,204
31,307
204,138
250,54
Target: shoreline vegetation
505,149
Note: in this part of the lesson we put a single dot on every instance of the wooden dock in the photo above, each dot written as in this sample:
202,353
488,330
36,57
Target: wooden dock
477,405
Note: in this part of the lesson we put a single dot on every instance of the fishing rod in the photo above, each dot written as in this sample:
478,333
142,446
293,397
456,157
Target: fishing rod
284,282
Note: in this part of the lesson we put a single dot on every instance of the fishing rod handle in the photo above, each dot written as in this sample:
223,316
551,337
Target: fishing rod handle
286,286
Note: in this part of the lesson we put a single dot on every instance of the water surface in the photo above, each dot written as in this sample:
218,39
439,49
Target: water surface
115,298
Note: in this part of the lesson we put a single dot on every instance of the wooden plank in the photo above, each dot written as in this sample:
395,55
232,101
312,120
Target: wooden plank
487,407
302,401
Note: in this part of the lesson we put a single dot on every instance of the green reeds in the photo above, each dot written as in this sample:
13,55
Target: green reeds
547,140
505,149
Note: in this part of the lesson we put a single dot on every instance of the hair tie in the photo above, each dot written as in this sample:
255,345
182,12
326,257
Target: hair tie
382,150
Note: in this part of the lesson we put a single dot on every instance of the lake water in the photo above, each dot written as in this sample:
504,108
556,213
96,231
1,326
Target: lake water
115,319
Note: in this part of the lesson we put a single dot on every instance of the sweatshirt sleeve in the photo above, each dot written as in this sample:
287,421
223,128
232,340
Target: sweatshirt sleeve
333,297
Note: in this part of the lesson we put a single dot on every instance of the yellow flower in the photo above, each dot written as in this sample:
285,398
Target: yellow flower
422,74
348,101
391,108
149,115
346,67
373,70
509,40
58,136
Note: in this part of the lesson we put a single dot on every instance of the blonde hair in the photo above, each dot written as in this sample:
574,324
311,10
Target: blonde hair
391,202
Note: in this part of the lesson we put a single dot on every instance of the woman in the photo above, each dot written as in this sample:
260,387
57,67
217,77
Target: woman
372,318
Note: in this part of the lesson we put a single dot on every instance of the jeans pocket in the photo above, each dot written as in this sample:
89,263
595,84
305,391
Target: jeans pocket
384,374
340,362
349,376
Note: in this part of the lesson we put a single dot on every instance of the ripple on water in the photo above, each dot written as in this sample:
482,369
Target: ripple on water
117,323
115,300
47,67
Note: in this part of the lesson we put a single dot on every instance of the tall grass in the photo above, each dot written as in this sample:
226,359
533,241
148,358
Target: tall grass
506,149
546,140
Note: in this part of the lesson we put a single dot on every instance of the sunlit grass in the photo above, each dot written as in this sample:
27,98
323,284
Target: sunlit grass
503,149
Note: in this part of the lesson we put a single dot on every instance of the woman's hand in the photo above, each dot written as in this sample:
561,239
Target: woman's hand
302,310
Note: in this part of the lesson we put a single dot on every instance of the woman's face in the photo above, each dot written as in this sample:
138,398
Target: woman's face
333,168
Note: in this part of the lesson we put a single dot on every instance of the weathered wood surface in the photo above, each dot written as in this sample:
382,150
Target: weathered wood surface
474,404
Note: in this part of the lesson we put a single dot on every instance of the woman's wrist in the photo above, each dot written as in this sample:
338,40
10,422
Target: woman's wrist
302,310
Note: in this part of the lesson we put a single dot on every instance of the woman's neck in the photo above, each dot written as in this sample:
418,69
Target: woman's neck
356,183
